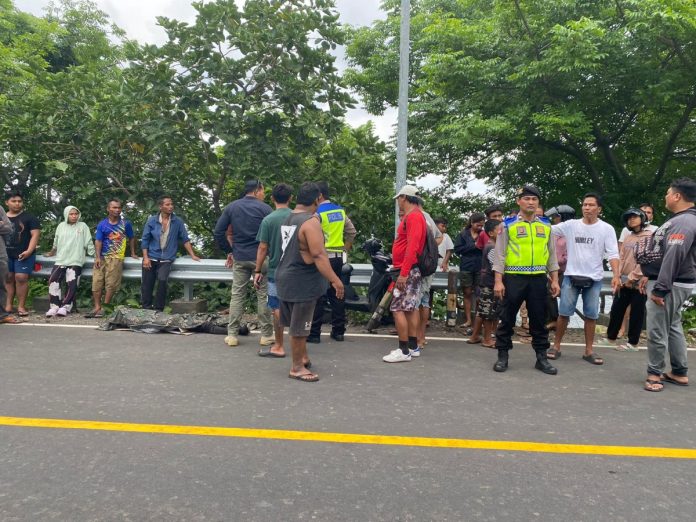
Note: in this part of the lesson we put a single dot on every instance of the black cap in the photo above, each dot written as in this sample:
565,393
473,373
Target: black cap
528,190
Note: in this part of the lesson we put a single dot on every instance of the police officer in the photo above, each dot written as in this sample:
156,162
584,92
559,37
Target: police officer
525,255
339,234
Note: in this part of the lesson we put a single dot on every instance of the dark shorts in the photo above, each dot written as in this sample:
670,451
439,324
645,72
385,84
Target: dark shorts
298,317
470,279
408,299
488,306
21,266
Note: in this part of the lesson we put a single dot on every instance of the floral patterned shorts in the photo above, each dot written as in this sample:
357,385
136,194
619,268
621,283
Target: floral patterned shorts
408,299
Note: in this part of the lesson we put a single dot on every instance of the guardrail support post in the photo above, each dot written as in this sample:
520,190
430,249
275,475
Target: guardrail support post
188,291
451,299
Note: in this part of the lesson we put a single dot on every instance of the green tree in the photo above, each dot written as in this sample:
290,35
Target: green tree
242,93
237,94
573,95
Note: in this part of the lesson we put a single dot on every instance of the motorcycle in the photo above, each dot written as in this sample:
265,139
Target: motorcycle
378,287
379,292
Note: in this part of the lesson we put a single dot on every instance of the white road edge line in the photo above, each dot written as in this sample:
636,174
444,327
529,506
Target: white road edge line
60,325
379,336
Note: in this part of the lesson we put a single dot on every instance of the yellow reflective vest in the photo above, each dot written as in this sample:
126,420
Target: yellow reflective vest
528,246
333,221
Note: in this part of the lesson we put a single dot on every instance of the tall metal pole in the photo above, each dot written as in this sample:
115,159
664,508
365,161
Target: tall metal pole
402,126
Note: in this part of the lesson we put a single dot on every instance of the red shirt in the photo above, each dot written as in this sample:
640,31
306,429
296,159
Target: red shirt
482,240
409,242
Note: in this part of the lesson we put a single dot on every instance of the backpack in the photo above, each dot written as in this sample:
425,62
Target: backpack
430,257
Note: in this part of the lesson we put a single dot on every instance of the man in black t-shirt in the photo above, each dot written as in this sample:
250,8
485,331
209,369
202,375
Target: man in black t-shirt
21,245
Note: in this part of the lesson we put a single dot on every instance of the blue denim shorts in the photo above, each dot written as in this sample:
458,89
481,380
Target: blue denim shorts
569,299
426,283
273,302
21,266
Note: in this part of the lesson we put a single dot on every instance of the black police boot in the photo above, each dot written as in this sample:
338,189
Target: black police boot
501,364
314,339
337,337
543,364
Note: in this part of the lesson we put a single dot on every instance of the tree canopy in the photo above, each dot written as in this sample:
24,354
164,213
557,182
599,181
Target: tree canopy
572,95
239,93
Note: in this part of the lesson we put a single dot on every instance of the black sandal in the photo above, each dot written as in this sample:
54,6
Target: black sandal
593,359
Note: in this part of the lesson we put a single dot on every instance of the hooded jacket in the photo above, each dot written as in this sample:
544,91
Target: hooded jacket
677,237
72,241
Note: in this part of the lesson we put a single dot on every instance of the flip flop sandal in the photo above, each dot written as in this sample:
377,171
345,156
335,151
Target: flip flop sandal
471,341
492,346
672,380
593,359
553,354
266,352
9,319
305,377
22,314
648,386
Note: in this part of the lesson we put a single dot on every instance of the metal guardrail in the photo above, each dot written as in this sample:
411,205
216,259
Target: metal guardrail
189,272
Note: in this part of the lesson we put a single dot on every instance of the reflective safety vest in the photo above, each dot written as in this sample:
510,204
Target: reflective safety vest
333,221
528,246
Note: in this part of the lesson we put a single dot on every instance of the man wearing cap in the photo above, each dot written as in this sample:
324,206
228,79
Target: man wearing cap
409,243
524,257
339,234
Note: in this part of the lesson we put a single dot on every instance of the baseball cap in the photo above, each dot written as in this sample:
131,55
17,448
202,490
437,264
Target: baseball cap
408,190
528,190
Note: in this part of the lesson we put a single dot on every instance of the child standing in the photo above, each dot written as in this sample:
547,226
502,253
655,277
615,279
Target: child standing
488,305
72,239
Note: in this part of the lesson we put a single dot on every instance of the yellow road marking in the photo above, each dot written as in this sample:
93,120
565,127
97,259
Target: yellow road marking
352,438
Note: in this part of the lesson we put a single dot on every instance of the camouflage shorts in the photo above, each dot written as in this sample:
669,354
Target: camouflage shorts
488,305
408,299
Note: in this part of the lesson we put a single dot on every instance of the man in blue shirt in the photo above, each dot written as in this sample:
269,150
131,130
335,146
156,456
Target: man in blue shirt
244,217
160,242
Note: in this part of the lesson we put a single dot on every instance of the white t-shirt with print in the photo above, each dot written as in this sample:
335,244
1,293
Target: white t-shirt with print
587,246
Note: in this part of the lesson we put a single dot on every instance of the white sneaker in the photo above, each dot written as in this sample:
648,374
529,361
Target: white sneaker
396,356
626,347
605,341
62,311
266,341
416,352
231,340
51,311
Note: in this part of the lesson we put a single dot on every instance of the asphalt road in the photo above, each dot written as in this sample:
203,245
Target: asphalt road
450,392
